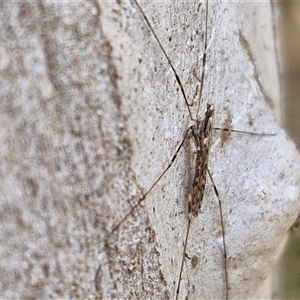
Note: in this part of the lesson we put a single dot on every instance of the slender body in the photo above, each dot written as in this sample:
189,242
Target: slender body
201,133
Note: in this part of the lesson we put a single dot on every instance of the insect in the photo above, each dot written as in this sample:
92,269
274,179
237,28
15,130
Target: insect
200,132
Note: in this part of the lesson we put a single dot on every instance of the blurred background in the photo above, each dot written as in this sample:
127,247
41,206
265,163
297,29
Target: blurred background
288,26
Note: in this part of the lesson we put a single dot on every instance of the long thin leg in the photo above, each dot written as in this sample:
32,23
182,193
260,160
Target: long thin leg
223,235
203,59
183,258
247,132
168,59
153,185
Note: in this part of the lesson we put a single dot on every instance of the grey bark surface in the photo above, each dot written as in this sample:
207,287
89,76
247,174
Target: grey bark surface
91,115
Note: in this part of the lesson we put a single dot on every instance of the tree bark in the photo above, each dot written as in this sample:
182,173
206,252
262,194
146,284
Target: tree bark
91,114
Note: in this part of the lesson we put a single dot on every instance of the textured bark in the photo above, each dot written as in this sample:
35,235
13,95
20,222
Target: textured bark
90,116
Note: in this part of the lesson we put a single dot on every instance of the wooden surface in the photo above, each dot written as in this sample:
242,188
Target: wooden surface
91,115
